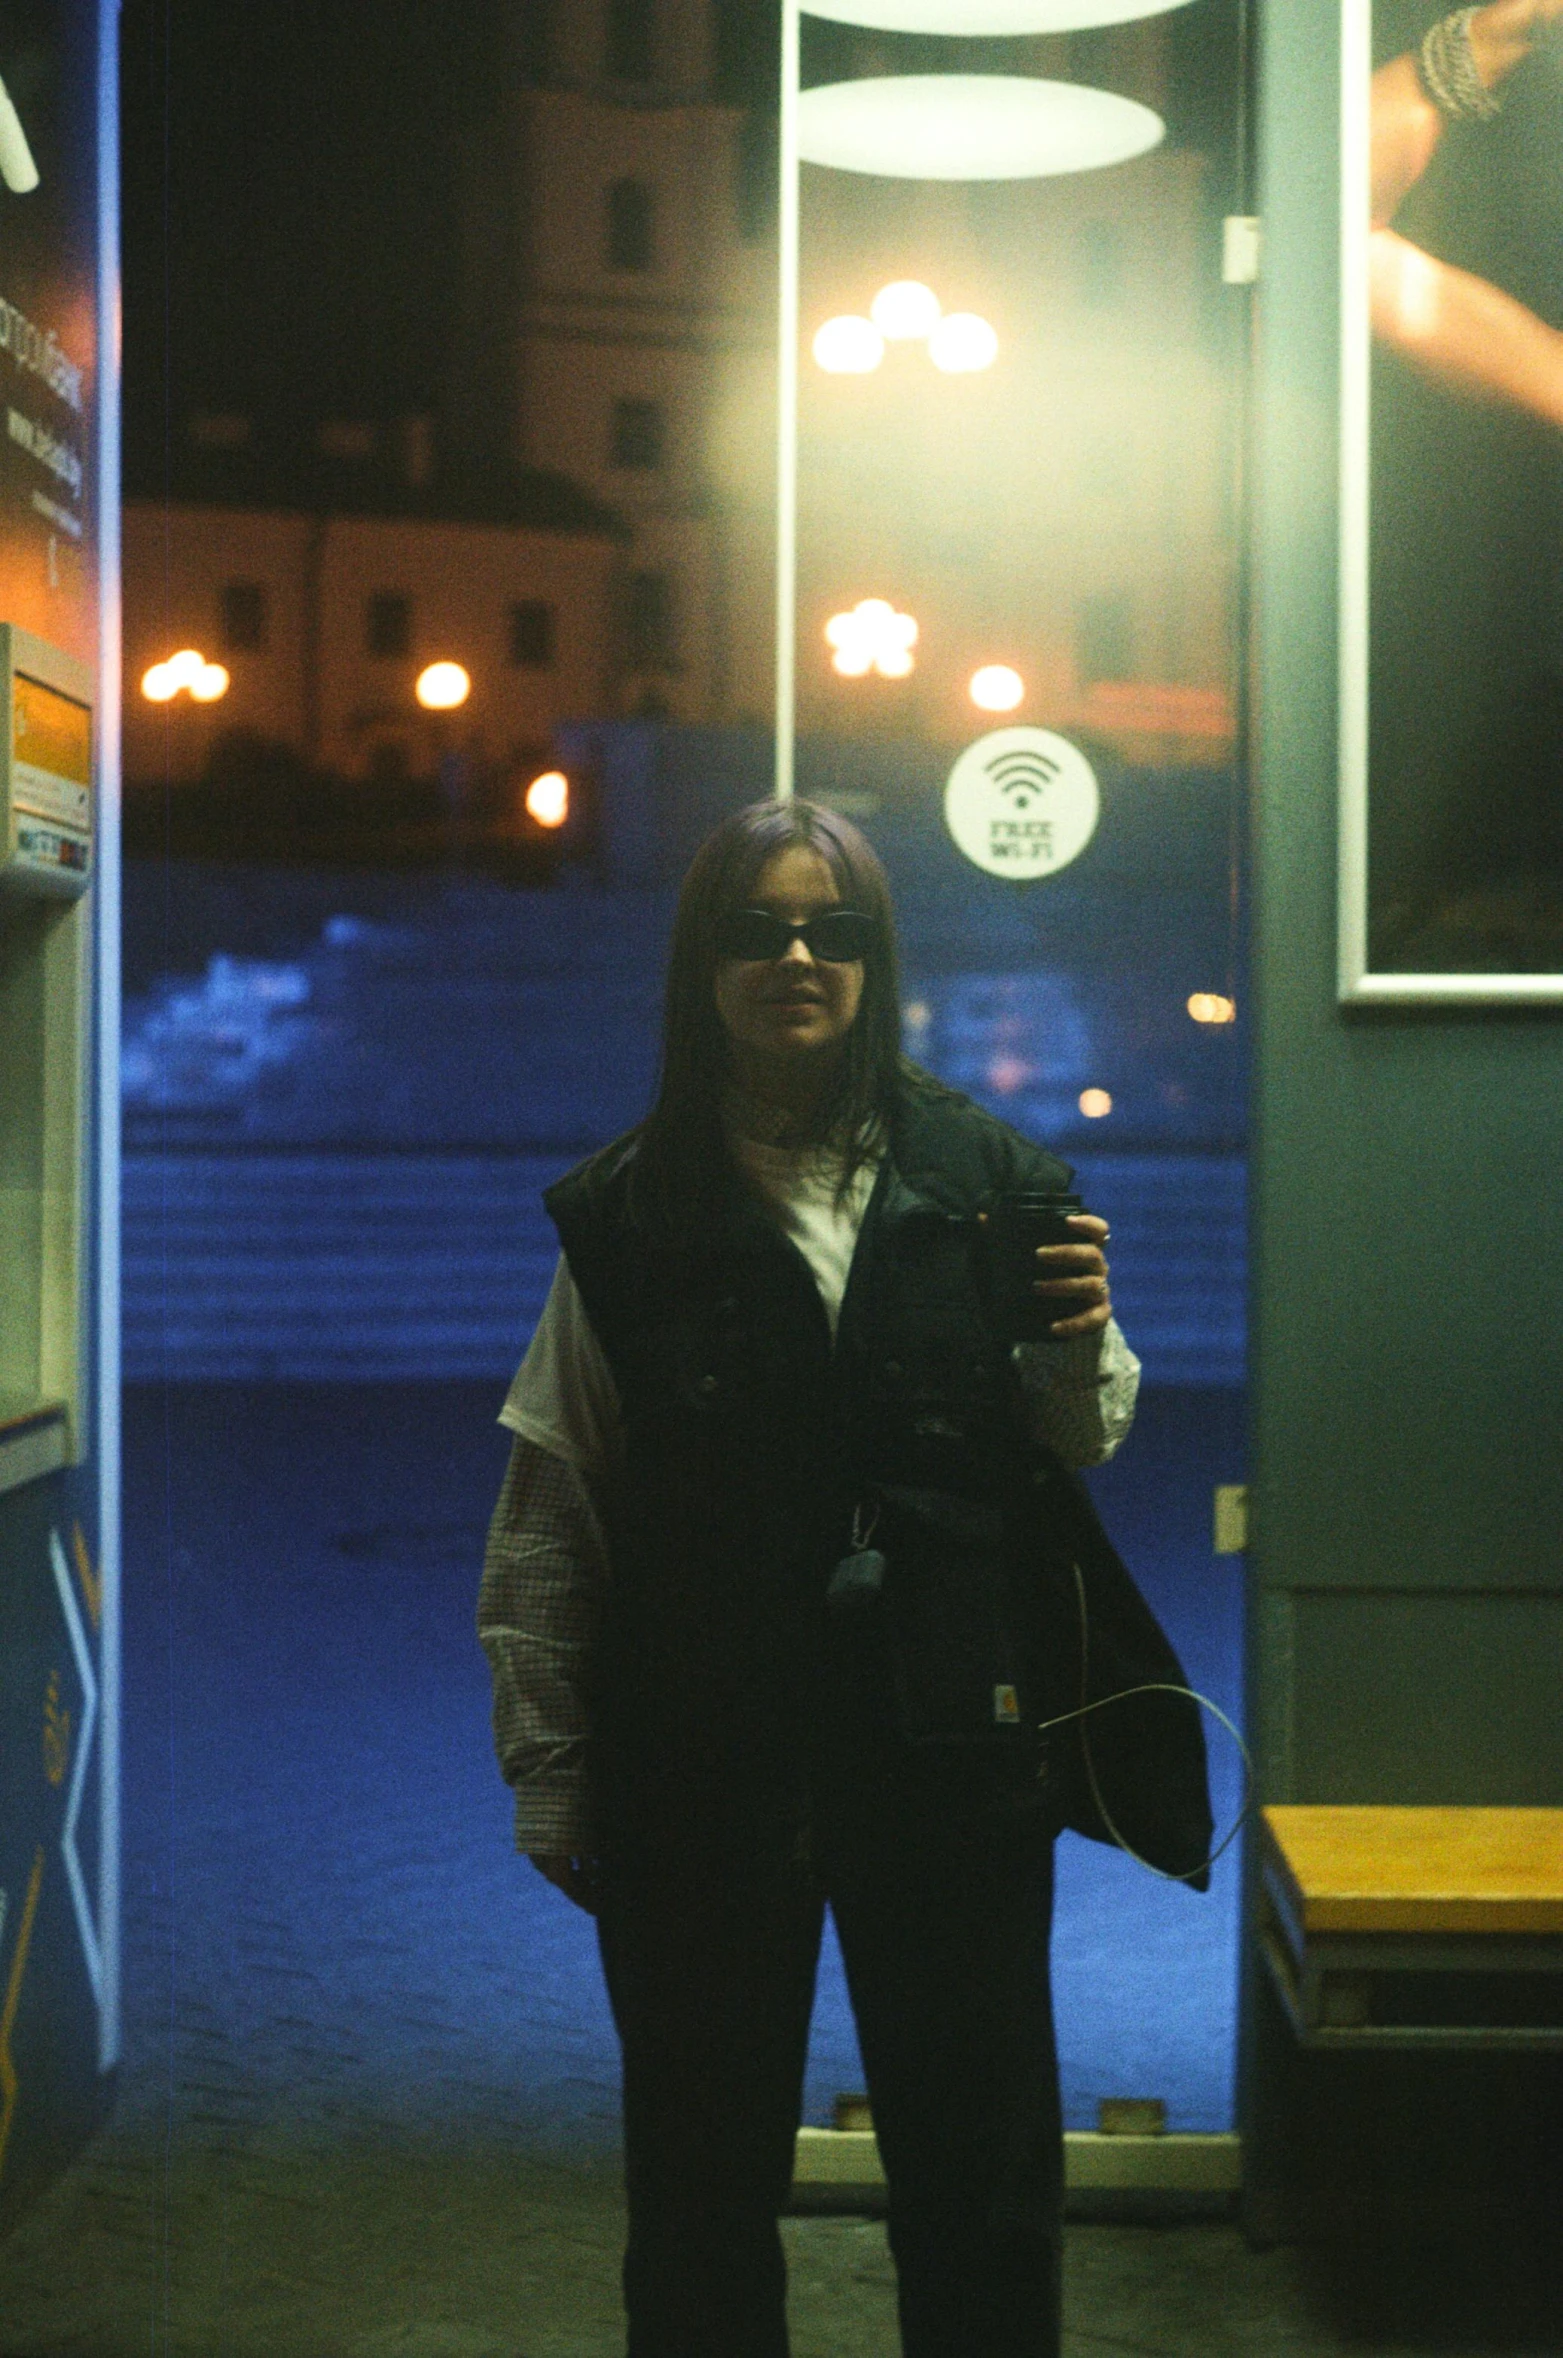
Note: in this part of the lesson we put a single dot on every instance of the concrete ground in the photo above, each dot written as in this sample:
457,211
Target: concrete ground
367,2106
272,2248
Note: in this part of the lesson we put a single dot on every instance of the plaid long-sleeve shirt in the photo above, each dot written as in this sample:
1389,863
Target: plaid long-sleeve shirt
545,1575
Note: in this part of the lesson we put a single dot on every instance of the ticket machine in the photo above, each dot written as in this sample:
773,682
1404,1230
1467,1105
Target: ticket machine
59,924
46,866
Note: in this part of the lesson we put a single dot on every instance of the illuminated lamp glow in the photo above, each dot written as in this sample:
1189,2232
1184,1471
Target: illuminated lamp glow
441,687
905,310
970,127
1095,1104
1211,1007
873,637
849,346
189,670
547,799
982,17
996,688
962,344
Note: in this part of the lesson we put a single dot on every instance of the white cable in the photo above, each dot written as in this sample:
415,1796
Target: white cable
1151,1687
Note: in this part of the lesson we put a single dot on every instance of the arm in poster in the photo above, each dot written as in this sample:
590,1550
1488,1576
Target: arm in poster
1457,326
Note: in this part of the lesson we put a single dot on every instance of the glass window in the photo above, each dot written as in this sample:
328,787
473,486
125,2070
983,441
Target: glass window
650,623
388,623
1104,640
632,26
531,635
244,618
754,191
638,433
1099,263
629,226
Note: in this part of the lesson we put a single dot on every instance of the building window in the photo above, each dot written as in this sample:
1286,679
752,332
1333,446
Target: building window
629,225
650,624
244,618
754,191
638,433
1104,641
534,40
632,27
532,634
1099,263
388,623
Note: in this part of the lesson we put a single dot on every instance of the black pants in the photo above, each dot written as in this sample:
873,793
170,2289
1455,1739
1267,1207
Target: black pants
944,1923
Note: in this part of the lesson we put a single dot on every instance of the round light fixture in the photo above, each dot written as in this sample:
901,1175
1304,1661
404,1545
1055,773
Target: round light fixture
963,343
849,346
1212,1007
981,17
970,127
547,799
905,310
996,688
189,670
1095,1104
441,687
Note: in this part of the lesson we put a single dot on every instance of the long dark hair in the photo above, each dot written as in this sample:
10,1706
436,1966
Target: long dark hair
682,1155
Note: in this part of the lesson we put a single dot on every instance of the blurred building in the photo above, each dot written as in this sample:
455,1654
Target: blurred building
323,587
1068,511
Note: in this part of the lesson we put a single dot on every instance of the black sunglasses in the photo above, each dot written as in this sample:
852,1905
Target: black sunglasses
835,935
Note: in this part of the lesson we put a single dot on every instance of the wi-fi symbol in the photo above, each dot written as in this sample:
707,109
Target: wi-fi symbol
1022,774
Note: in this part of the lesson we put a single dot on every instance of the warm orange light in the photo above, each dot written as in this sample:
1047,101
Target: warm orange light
441,687
189,670
996,688
1095,1104
1210,1007
905,311
849,346
963,344
873,637
548,799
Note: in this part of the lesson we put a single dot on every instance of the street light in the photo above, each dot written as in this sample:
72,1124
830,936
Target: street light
849,346
442,687
963,343
996,688
873,637
547,799
905,311
189,670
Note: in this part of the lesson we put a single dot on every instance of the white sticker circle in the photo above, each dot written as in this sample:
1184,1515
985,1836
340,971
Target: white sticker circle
1022,803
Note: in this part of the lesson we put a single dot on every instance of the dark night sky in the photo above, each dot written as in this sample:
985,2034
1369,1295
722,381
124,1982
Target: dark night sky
291,172
289,201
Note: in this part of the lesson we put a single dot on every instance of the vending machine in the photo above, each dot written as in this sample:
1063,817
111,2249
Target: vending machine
59,923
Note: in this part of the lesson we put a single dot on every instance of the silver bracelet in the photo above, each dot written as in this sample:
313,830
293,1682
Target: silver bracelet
1448,71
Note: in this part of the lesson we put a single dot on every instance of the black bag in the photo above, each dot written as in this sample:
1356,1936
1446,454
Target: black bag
1003,1616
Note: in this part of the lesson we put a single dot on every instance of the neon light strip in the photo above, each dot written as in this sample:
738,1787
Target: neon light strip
91,1948
107,895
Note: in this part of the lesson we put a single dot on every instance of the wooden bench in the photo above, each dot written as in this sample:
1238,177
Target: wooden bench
1416,1928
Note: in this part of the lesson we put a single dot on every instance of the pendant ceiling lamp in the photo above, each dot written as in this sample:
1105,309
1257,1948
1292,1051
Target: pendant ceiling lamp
970,127
981,18
924,127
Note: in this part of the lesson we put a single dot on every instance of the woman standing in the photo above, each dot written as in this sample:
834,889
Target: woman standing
771,1606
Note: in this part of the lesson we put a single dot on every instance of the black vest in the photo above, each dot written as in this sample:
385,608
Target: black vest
727,1697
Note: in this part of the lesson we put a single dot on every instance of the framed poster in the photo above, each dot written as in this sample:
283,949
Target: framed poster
1451,590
